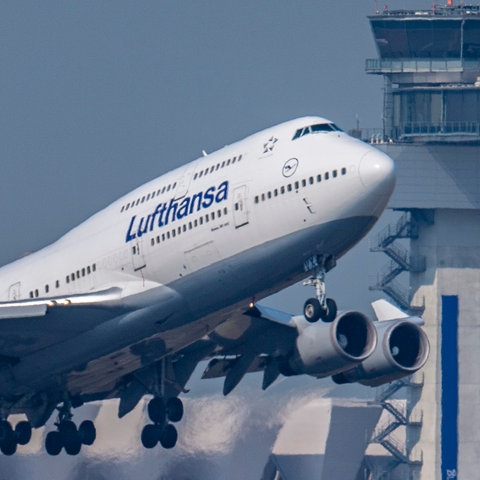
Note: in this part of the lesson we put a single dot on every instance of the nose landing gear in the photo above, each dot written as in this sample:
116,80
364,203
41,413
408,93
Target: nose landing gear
319,307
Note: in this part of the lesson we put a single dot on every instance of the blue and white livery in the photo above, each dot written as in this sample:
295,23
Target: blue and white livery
127,303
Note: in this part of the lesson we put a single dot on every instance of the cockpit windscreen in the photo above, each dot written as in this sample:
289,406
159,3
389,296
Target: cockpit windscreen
318,128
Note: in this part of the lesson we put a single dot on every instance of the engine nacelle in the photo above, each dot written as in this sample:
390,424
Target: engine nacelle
324,349
402,349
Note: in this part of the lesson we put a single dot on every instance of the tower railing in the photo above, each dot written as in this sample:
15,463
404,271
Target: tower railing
383,66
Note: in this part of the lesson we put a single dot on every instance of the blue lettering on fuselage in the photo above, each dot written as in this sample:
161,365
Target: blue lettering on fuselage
169,212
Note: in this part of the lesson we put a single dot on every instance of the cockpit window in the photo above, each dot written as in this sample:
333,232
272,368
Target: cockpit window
318,128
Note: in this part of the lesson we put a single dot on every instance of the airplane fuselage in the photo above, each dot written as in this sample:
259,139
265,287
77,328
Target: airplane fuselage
244,196
194,246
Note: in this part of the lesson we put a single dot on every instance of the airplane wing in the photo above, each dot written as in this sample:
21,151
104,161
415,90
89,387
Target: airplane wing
251,343
249,337
259,339
27,326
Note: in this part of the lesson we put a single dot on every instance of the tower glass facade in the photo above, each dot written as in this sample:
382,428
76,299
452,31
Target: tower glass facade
431,62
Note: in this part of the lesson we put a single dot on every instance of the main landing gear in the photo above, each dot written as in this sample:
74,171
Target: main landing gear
319,307
161,431
67,435
11,437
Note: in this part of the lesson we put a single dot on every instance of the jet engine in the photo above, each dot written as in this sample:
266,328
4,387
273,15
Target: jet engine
324,349
402,349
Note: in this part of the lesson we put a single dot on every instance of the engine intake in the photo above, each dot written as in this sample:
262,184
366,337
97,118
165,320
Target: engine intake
402,349
324,349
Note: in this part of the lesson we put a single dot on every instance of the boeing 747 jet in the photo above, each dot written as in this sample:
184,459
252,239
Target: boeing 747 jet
130,301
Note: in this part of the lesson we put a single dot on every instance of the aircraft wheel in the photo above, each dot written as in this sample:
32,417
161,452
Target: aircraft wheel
312,310
73,445
70,437
156,410
9,447
150,435
23,432
169,436
6,431
174,409
329,314
53,443
67,429
87,432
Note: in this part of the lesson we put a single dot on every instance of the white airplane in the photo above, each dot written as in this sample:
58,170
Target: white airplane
127,303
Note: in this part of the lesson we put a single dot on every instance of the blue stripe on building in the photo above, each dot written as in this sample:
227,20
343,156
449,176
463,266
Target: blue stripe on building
449,361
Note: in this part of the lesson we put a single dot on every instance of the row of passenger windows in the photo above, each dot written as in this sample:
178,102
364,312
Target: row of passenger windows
216,167
170,187
186,226
298,184
200,220
69,278
148,197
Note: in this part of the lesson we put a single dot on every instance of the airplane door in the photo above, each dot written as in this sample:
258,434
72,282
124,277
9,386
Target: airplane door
138,259
14,292
183,184
240,210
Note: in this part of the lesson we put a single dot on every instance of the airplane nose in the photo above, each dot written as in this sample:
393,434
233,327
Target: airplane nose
377,172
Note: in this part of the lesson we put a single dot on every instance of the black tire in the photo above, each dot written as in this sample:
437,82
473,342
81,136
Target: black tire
87,432
53,443
330,313
169,436
70,437
9,447
6,432
150,435
73,445
23,432
312,310
174,409
156,410
67,429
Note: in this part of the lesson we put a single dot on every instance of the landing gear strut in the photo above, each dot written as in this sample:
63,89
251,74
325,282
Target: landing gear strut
162,413
67,435
319,307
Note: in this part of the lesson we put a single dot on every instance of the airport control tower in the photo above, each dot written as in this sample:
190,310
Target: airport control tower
430,61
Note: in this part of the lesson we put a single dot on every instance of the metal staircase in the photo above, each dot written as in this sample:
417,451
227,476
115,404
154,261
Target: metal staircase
400,261
398,416
401,420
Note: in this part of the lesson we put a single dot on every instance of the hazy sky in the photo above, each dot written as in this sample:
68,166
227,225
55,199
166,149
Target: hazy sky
98,97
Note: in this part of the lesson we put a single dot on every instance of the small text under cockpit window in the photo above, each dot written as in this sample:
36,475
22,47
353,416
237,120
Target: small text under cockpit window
318,128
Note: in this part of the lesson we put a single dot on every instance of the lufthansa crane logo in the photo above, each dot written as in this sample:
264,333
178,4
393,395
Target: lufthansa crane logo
290,167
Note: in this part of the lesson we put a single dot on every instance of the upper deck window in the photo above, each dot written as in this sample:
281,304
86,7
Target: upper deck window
318,128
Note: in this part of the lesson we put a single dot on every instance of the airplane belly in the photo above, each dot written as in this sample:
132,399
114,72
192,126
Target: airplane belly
184,312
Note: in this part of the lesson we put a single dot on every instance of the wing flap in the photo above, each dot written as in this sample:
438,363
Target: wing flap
250,343
219,367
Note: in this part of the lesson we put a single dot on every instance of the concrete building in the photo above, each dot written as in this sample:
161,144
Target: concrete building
325,439
430,61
